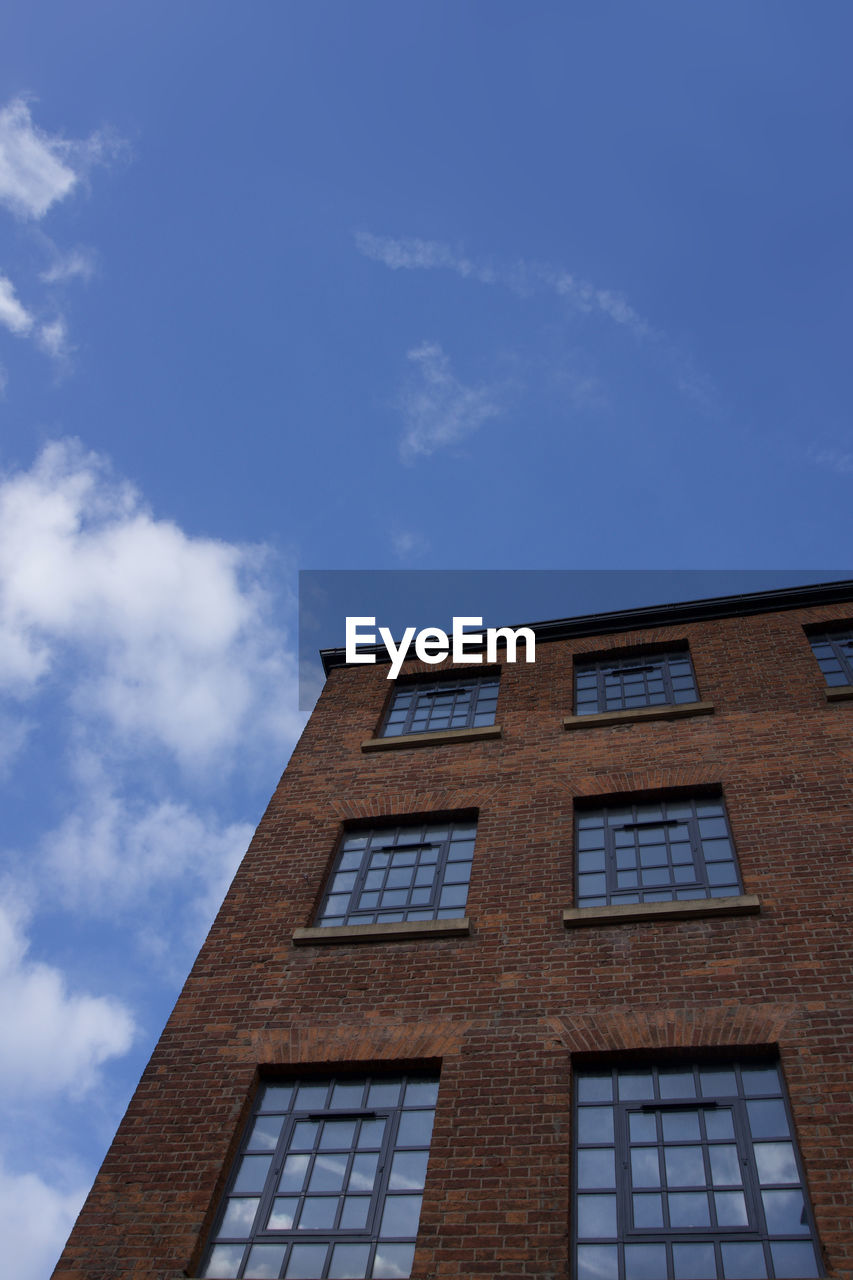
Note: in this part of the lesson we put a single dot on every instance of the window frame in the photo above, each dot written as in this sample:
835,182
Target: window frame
279,1152
643,660
594,816
831,635
382,840
429,687
748,1180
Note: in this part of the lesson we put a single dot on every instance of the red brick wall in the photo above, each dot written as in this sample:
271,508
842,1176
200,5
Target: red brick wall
506,1009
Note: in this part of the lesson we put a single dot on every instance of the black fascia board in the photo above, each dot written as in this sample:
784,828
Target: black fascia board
658,615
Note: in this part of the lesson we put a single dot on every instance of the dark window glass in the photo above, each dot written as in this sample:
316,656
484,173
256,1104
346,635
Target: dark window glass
338,1188
443,704
834,653
400,873
617,684
669,850
688,1173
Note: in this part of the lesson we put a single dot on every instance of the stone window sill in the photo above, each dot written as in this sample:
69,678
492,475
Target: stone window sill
396,931
746,904
671,711
840,693
433,739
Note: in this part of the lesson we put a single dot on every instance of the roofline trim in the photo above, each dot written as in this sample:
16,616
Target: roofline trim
593,624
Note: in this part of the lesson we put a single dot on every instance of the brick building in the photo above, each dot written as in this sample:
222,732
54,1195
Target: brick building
591,916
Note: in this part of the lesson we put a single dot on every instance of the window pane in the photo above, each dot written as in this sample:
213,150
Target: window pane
598,1262
306,1261
785,1212
363,1173
275,1097
224,1261
265,1132
408,1171
645,1261
239,1216
400,1216
767,1118
595,1124
252,1173
693,1262
684,1166
283,1213
596,1167
731,1208
775,1161
645,1169
349,1260
743,1262
648,1210
394,1260
794,1259
265,1261
681,1126
689,1209
318,1213
355,1213
293,1173
415,1128
596,1216
328,1173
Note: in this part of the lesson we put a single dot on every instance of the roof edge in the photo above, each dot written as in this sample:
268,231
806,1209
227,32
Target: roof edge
593,624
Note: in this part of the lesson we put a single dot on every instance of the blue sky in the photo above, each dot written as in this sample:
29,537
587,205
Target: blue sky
375,286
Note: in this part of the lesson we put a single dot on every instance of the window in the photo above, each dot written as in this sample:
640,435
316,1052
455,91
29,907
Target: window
328,1181
688,1173
401,873
834,653
442,704
669,850
617,684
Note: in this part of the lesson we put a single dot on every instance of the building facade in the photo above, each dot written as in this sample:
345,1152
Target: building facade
531,970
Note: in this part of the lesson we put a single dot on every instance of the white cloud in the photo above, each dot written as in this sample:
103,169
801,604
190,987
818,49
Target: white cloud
76,263
33,171
407,544
13,314
53,1040
439,409
522,277
38,169
35,1219
835,459
171,635
525,277
420,255
53,338
111,854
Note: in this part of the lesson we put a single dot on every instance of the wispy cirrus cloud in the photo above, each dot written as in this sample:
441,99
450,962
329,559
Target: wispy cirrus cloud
836,460
75,264
438,409
522,277
407,544
526,277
